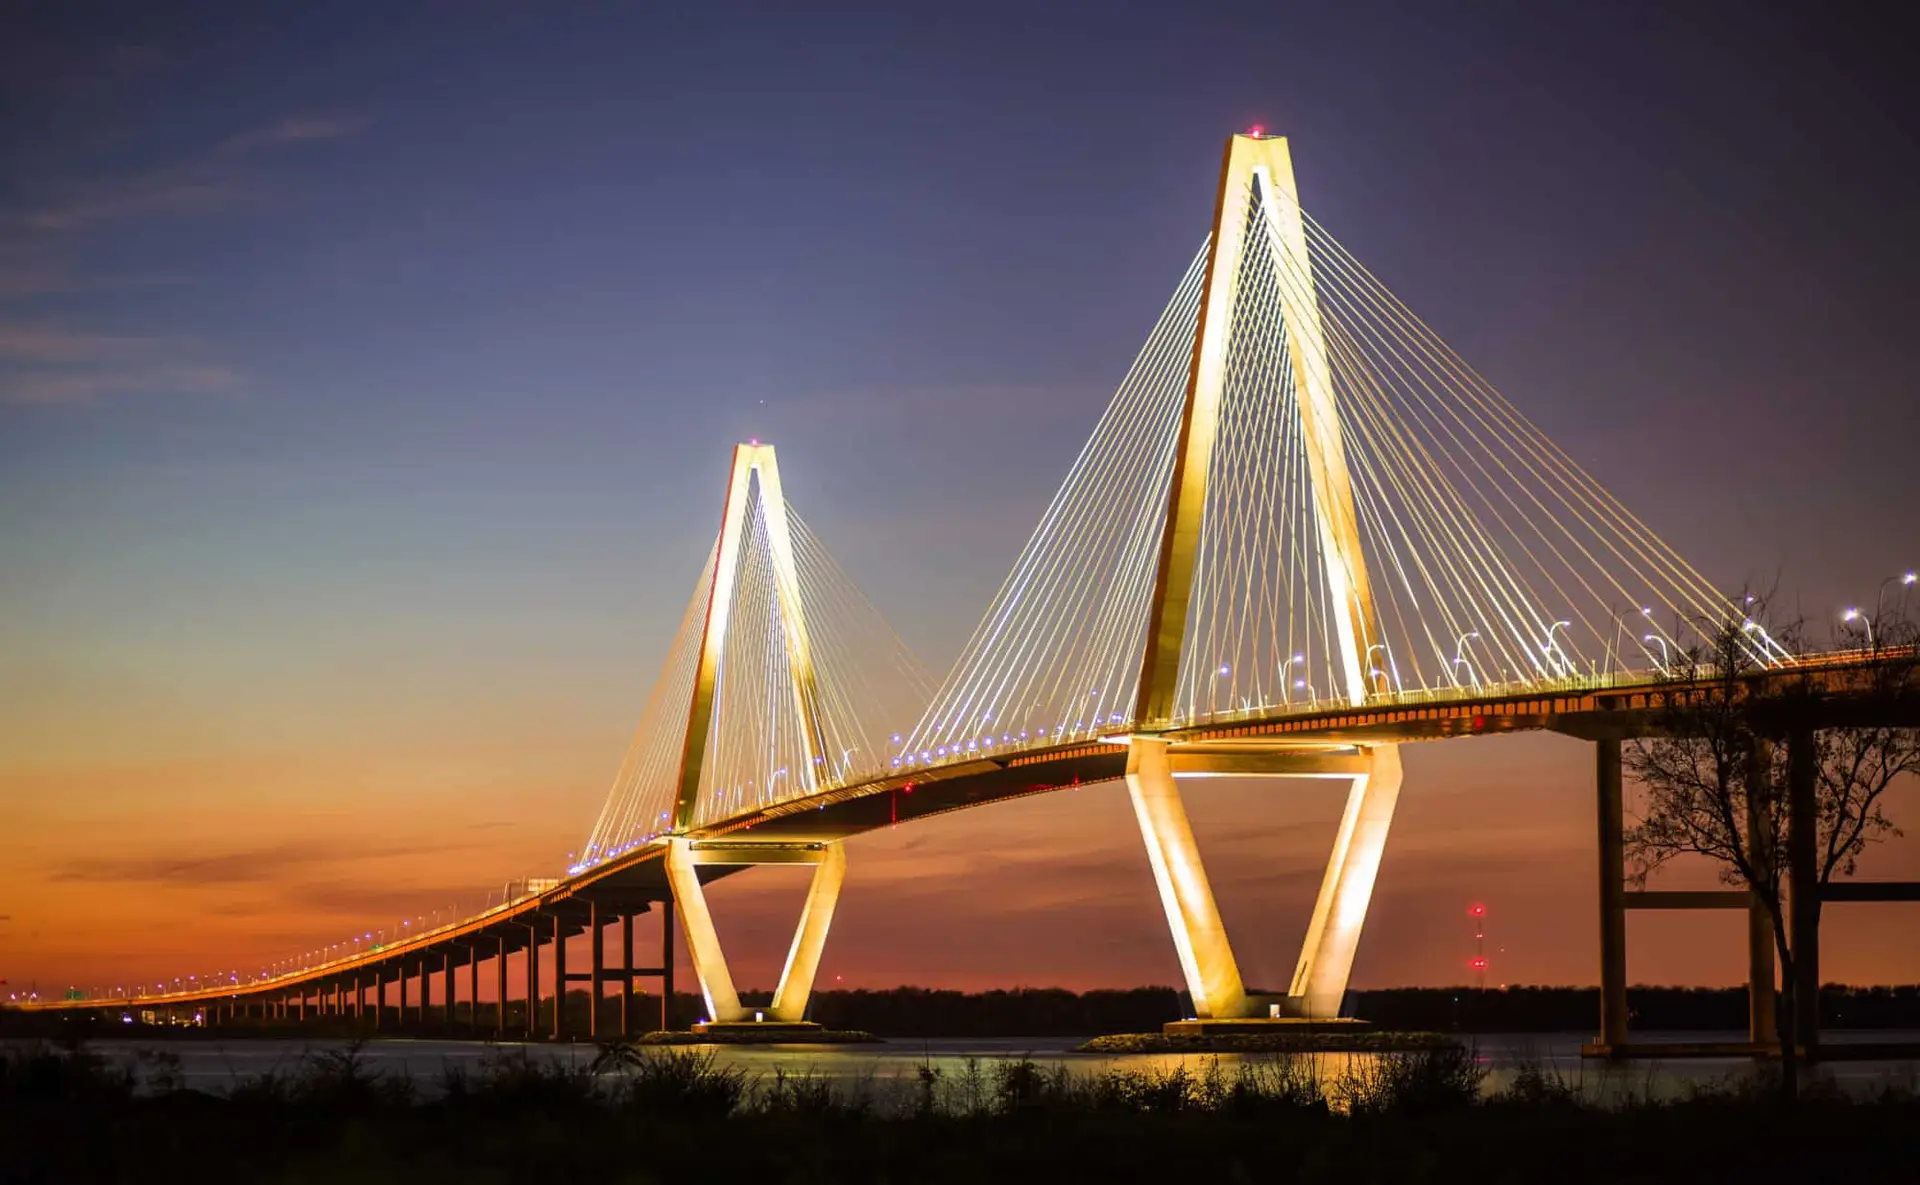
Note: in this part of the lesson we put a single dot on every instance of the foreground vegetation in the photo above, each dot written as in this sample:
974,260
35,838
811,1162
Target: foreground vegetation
646,1115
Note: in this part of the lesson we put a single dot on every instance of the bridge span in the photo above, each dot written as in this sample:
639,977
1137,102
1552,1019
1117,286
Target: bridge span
1304,533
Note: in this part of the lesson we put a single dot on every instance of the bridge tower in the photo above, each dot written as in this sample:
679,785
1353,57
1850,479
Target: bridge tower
1258,169
755,476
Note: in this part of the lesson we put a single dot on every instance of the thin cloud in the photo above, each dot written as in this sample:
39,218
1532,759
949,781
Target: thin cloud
70,390
58,365
299,129
47,364
271,863
43,343
214,180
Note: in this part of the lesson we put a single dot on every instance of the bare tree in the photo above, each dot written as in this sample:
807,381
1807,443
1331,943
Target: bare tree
1713,773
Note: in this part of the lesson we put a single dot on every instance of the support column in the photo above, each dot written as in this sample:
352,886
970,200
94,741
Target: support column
533,981
1333,936
473,986
816,917
426,991
703,943
500,988
626,981
1803,871
666,965
1613,894
1199,938
596,926
446,987
1762,1028
559,977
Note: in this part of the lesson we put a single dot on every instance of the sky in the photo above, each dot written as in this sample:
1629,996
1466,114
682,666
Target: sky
368,378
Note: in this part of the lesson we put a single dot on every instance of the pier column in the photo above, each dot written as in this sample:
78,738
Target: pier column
1803,876
597,927
1611,805
666,965
500,988
1199,937
816,918
703,942
626,980
1762,1028
533,981
473,986
1333,937
559,977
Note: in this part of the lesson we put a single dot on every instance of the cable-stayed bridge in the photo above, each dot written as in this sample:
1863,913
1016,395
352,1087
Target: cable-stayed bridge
1303,533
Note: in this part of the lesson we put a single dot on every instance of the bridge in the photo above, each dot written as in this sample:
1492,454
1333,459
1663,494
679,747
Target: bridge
1303,534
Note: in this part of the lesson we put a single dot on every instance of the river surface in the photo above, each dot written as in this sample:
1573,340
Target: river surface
889,1069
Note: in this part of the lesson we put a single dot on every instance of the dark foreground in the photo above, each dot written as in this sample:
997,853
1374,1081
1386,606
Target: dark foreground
644,1115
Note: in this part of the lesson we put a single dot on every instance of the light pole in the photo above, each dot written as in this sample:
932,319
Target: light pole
1906,580
1855,615
1391,682
1546,647
1460,656
1767,644
1650,639
1286,691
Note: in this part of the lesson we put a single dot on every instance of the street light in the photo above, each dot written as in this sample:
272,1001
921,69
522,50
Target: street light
1546,647
1906,580
1459,657
1855,615
1373,670
1286,692
1652,638
1767,644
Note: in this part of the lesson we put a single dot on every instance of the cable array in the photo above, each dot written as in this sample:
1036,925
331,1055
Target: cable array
1058,654
780,729
639,805
1492,558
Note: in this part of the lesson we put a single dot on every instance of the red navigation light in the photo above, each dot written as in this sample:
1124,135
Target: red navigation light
1478,911
1257,131
1479,964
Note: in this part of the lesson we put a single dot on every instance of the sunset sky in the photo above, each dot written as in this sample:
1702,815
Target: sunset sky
367,386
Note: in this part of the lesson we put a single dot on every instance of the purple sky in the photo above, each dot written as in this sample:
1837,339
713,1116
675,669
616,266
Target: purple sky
367,385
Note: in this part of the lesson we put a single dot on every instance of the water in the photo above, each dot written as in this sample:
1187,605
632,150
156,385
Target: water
890,1069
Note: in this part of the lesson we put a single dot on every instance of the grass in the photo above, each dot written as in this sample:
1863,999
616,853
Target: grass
647,1114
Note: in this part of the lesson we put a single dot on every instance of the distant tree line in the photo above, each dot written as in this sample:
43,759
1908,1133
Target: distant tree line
908,1012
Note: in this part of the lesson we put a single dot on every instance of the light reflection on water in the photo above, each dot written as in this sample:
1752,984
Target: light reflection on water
891,1069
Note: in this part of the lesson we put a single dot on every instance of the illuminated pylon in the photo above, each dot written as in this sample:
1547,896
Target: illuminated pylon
1258,169
755,473
749,461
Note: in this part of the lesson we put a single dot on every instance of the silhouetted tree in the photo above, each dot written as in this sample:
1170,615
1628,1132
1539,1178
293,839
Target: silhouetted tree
1714,774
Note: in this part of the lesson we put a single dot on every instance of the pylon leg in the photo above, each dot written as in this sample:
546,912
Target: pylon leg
810,937
1326,957
1213,978
703,942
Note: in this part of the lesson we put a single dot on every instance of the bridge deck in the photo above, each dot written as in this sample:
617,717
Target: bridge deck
635,881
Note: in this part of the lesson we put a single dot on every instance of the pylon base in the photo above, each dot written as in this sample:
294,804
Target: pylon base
1245,1025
